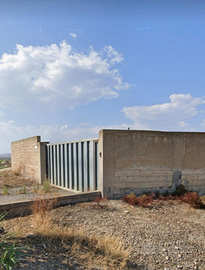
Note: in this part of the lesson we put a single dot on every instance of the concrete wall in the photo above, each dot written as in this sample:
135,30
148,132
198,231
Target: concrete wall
28,157
140,161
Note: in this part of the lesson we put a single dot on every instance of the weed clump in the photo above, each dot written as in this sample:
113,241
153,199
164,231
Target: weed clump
143,201
147,201
193,199
5,190
46,187
41,216
23,189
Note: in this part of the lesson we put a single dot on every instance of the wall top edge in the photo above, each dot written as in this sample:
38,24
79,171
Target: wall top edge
84,140
152,132
38,139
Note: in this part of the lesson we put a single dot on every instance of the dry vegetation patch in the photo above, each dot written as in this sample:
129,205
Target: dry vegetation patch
109,234
71,247
12,180
154,200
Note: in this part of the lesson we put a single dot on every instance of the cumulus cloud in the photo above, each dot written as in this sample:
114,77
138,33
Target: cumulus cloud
174,115
113,55
167,116
56,77
73,35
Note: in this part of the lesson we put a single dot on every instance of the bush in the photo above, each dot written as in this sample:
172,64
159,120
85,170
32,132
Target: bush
130,199
180,190
143,201
148,200
193,199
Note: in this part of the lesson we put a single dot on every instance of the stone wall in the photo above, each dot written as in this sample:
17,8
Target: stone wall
28,157
141,161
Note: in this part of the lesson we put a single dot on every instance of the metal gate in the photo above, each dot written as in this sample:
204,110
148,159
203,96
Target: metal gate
74,165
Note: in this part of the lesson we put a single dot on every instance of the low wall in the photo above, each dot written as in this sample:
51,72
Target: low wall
28,157
141,161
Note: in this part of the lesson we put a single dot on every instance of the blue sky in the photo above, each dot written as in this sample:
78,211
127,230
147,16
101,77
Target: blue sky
71,68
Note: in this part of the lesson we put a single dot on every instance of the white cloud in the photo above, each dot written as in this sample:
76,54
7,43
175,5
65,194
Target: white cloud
114,56
73,35
167,116
203,123
56,77
10,131
174,115
183,124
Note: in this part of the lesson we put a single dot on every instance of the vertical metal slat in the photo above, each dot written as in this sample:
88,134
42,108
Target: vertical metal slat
48,164
62,174
75,160
91,166
54,165
80,166
66,165
96,165
58,164
51,160
85,169
71,173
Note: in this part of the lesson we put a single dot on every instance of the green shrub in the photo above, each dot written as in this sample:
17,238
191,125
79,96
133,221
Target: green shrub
180,190
23,189
46,187
5,190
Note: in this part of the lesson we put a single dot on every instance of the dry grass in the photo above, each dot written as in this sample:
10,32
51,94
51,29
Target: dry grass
10,179
153,200
41,218
203,199
5,190
95,250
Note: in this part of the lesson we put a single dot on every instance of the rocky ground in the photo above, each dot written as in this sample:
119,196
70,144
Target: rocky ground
167,236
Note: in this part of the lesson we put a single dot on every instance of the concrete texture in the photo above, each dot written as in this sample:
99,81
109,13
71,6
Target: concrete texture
28,157
131,161
23,206
142,161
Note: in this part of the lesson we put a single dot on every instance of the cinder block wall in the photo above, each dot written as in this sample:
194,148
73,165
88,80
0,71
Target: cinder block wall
28,156
140,161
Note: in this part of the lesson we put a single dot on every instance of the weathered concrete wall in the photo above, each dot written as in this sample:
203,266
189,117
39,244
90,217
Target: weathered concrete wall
140,161
28,157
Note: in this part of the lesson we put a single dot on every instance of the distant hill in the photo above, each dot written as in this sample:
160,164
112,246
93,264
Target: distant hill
5,155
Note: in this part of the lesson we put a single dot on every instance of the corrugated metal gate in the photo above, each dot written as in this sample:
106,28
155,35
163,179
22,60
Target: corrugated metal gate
74,165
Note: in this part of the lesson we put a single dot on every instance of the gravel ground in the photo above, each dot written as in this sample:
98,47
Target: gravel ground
169,236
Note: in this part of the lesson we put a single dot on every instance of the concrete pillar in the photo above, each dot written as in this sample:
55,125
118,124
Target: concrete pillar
42,174
106,163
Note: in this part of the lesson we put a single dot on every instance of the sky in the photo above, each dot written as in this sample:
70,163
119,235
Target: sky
70,68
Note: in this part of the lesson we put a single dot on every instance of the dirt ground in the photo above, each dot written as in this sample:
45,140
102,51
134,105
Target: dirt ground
169,235
13,180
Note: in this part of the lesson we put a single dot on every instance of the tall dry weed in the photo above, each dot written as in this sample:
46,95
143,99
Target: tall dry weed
41,218
88,249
